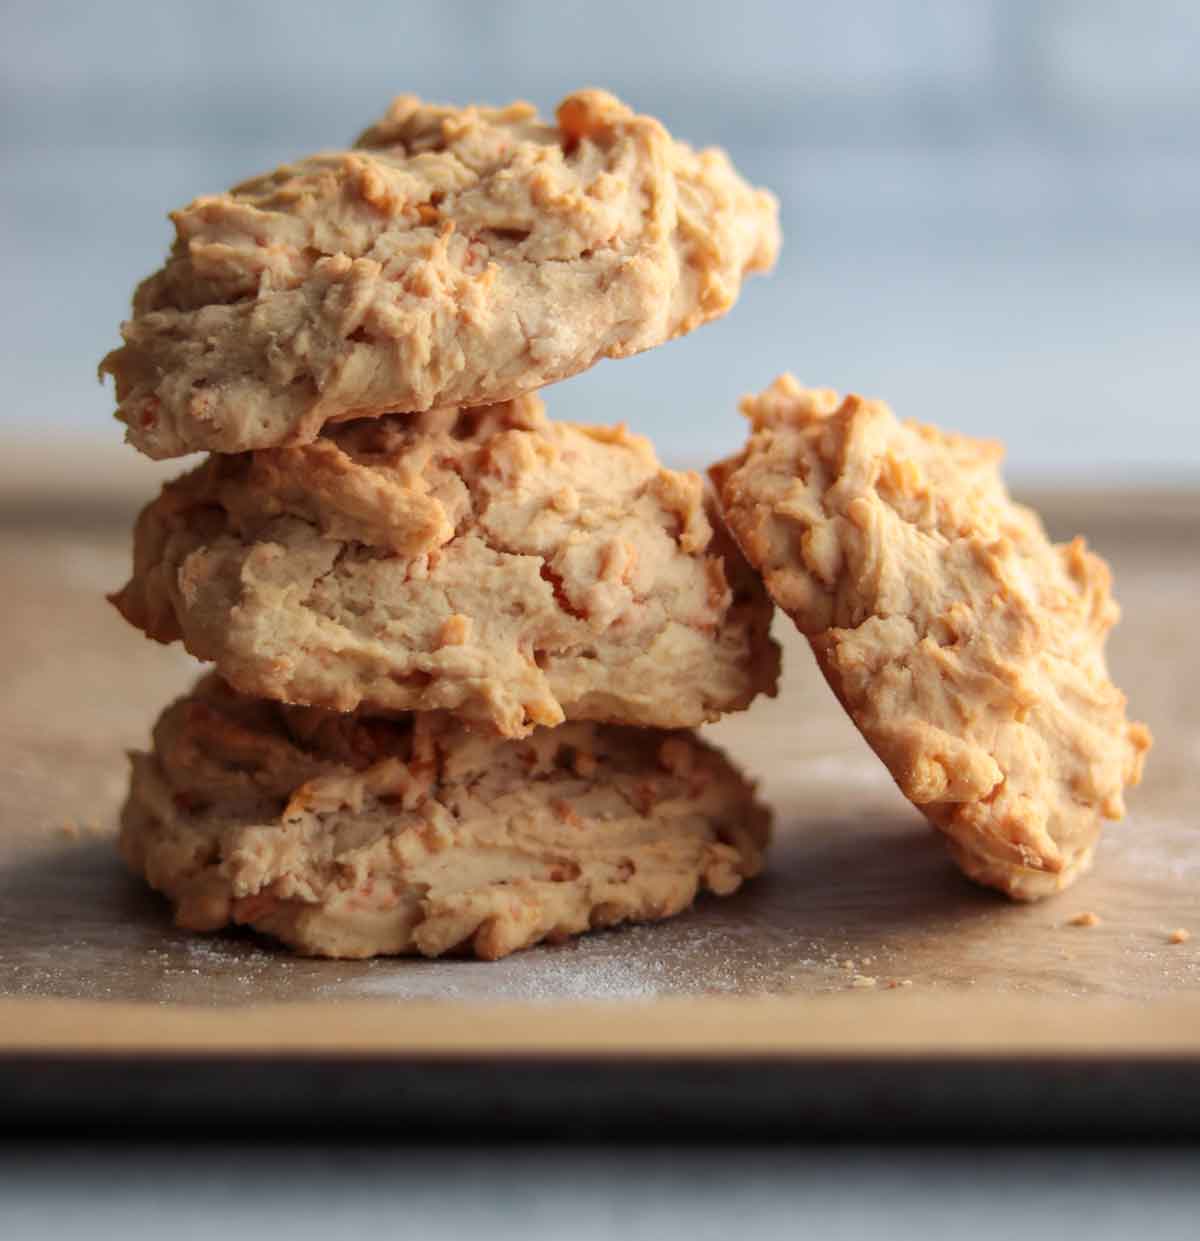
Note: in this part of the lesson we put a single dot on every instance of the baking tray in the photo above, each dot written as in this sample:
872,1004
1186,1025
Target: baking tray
859,987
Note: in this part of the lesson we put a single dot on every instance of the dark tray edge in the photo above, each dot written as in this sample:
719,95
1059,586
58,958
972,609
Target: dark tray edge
591,1097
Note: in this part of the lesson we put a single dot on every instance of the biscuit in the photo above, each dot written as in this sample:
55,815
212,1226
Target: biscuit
510,569
453,257
967,648
346,836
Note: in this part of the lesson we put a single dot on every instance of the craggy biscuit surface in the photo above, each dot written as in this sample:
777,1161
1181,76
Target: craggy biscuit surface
965,645
345,836
453,257
491,562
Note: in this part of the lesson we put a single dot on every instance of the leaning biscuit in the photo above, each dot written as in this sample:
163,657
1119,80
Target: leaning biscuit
345,836
453,257
967,648
493,563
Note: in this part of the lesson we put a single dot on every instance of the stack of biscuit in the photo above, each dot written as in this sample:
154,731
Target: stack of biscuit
458,647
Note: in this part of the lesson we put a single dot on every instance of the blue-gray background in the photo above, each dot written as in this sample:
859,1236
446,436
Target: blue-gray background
991,207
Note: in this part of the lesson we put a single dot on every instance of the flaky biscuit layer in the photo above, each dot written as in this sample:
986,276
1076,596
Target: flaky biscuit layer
345,836
493,563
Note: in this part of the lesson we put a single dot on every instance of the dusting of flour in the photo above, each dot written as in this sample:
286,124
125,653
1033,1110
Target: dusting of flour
639,963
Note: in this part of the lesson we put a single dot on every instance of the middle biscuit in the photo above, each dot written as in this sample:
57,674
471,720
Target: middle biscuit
490,562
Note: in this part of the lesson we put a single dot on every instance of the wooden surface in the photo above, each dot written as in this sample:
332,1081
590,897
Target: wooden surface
856,886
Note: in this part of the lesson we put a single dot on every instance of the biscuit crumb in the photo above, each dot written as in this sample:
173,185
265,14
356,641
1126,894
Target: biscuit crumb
566,812
455,631
847,964
862,981
565,500
1084,919
1180,935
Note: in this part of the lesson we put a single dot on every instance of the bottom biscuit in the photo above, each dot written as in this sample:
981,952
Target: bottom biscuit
352,836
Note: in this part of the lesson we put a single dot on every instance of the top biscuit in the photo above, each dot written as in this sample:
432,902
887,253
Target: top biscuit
967,648
453,257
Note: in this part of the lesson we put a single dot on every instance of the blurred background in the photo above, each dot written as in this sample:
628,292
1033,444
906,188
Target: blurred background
991,208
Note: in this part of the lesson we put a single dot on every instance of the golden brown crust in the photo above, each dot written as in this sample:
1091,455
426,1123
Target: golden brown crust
455,256
513,570
968,649
347,836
